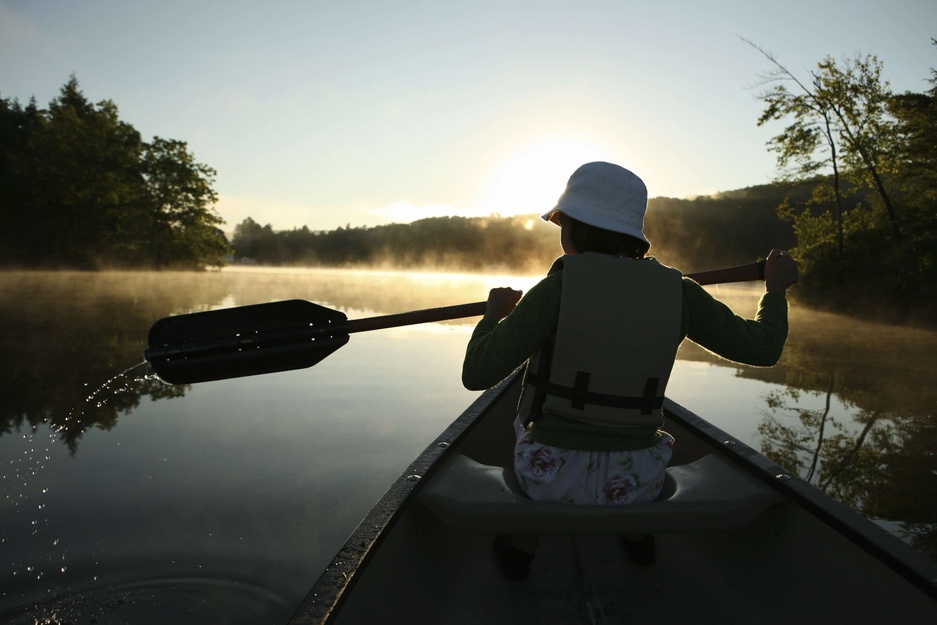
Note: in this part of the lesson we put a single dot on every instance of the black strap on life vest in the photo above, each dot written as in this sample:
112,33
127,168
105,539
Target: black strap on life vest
649,397
540,393
580,395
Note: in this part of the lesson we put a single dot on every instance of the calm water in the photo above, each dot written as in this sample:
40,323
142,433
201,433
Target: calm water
128,500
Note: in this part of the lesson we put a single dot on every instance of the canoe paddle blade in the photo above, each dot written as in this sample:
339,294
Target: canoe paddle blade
242,341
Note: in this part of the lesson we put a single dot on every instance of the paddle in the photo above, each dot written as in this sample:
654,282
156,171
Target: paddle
295,334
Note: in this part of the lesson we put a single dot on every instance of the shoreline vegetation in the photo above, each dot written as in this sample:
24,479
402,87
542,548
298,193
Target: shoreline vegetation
855,202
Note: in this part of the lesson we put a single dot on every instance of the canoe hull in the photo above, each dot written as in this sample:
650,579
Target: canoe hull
801,558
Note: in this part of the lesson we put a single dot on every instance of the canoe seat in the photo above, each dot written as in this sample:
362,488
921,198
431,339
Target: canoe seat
705,495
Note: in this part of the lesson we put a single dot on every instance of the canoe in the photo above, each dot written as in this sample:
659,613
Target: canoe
739,540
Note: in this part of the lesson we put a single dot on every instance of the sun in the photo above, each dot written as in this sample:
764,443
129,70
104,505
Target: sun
531,178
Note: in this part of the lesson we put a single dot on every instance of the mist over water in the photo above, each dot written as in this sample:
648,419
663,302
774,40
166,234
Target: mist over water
123,496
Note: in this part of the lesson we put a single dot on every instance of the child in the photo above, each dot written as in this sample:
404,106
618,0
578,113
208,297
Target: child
600,335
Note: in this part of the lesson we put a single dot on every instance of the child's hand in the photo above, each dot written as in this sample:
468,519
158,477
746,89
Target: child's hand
780,271
501,301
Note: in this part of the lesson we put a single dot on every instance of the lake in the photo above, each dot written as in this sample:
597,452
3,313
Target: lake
125,499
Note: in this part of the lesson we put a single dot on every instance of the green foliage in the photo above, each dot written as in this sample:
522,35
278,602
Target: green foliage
82,189
868,227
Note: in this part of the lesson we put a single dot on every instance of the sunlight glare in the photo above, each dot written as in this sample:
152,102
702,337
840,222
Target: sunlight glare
531,178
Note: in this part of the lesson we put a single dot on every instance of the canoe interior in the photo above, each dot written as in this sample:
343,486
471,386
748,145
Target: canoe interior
802,561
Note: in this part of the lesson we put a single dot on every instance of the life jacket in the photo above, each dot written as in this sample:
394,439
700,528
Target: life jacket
615,343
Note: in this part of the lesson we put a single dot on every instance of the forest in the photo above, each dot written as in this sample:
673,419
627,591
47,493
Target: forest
854,200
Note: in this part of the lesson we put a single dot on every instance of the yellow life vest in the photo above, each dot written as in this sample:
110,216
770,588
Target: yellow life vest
615,344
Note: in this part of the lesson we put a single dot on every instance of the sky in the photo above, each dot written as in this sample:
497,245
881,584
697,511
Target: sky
359,113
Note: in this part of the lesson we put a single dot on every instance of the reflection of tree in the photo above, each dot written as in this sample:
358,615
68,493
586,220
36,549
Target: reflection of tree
67,335
119,396
909,469
787,445
876,463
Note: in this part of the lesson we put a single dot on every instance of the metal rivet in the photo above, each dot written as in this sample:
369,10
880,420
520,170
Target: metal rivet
442,444
782,476
414,478
729,443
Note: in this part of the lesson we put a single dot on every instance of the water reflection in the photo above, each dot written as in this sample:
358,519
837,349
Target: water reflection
67,334
238,491
254,483
851,410
861,447
876,457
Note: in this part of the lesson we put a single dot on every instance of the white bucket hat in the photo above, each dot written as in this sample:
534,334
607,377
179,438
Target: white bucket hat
605,196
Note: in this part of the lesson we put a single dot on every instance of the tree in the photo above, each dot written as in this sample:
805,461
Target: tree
19,130
812,132
860,102
89,177
849,130
916,115
844,115
81,188
251,240
180,224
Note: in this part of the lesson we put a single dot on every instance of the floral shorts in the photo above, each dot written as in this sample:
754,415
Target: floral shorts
590,477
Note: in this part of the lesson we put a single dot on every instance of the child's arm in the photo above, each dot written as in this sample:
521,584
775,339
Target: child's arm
713,325
498,348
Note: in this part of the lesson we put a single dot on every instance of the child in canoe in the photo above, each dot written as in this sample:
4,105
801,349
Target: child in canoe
599,336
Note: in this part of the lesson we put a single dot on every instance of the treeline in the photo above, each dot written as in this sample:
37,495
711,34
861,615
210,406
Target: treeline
466,244
80,188
733,228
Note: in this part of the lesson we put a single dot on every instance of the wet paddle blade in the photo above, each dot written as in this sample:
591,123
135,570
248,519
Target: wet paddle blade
243,341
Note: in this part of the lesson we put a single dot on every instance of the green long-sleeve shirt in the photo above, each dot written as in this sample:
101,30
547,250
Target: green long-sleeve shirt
498,348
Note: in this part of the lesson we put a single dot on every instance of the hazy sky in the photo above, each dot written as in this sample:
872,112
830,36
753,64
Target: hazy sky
349,112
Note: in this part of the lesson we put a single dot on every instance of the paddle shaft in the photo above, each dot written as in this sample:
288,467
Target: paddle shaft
741,273
428,315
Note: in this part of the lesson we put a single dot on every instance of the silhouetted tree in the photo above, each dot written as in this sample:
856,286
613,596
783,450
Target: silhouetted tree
182,226
846,119
82,189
